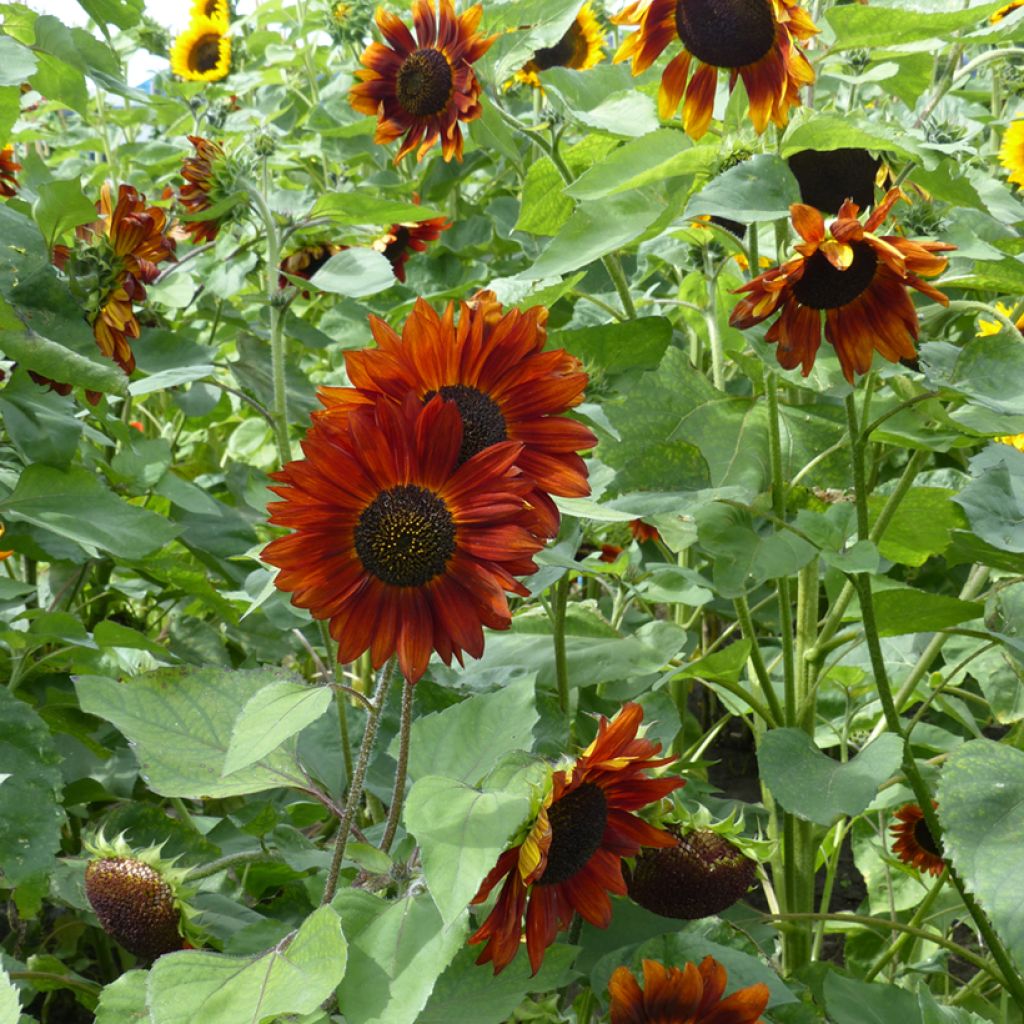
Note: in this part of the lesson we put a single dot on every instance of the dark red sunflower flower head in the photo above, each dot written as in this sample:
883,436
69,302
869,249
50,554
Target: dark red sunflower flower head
914,843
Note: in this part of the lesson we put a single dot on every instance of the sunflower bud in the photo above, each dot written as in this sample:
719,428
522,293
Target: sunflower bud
702,875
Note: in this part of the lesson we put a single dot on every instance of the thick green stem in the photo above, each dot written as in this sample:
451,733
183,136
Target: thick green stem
711,320
355,785
616,273
223,863
746,622
340,698
559,604
923,908
398,791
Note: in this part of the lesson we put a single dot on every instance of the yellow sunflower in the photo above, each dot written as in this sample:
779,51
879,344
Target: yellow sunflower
1006,10
202,53
580,48
1011,152
214,10
1015,440
990,327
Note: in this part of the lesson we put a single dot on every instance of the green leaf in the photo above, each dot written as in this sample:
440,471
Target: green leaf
877,27
922,526
637,344
354,272
604,98
10,1007
29,795
54,499
403,946
850,1001
180,723
113,634
364,208
461,832
57,80
981,810
10,107
123,13
296,976
816,788
826,132
759,189
903,610
994,499
988,370
17,62
277,712
488,726
124,1001
471,994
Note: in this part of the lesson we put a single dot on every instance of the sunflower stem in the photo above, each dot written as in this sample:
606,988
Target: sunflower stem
711,320
618,276
923,908
862,583
355,787
340,698
559,605
223,863
398,792
746,622
273,258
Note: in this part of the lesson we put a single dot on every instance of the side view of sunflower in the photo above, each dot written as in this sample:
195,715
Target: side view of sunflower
8,169
580,48
205,175
1011,152
402,545
692,995
570,856
202,53
402,240
493,368
756,40
422,88
857,278
914,843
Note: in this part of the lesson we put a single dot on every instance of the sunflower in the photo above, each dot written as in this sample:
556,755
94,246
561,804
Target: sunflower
203,187
423,87
580,48
643,532
829,177
858,278
399,542
4,554
755,40
305,262
8,167
1011,152
212,10
692,995
986,328
402,240
202,53
1005,11
1015,440
571,857
915,845
498,376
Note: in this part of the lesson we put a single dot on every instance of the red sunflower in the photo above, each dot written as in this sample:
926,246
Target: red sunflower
423,87
643,532
402,240
396,540
692,995
8,167
202,190
755,40
860,281
914,844
571,858
495,370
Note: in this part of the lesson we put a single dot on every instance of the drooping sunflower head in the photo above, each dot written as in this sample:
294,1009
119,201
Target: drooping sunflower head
756,40
580,48
914,843
8,169
402,547
305,262
569,858
213,10
497,375
402,240
202,53
692,995
856,278
423,87
827,178
1011,152
209,182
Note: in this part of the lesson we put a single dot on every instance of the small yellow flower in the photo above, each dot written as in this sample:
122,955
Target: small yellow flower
4,554
1011,153
1005,10
214,10
340,13
1016,440
986,328
202,53
580,48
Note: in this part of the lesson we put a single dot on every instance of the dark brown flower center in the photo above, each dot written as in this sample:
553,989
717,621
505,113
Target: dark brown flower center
482,421
205,54
395,249
827,179
824,287
925,839
568,52
726,33
424,82
578,821
406,536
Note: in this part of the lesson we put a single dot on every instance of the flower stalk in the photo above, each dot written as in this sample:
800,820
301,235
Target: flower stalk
398,791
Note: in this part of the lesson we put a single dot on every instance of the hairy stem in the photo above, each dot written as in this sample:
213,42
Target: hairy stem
398,792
